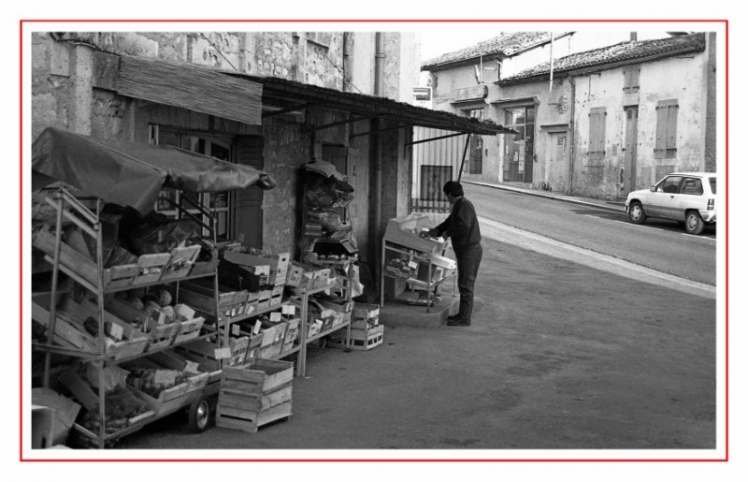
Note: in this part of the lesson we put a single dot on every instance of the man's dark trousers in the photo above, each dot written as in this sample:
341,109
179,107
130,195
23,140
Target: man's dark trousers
468,261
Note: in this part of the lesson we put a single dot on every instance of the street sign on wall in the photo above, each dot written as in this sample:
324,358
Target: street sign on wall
422,93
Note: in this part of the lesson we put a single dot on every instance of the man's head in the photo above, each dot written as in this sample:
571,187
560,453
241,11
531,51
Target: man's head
453,191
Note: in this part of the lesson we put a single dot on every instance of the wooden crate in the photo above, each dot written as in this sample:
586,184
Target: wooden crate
274,333
270,351
272,341
175,361
177,396
160,335
188,330
292,334
361,340
255,343
364,315
71,333
148,269
201,297
255,394
294,274
180,262
204,352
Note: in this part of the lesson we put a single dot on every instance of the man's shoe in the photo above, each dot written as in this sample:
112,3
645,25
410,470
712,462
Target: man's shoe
453,317
457,322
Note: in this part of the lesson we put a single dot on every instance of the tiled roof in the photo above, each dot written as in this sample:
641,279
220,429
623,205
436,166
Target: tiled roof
624,51
501,46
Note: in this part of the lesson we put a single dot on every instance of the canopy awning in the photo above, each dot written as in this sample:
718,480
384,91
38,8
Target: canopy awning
132,174
250,98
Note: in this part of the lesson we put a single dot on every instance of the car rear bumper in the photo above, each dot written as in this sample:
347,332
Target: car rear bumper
708,216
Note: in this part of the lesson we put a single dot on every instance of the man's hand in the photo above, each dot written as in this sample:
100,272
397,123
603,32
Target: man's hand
433,233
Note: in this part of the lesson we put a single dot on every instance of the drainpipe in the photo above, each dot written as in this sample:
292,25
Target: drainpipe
376,156
572,123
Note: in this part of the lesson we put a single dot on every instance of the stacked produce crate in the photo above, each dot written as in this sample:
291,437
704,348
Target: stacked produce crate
366,332
255,394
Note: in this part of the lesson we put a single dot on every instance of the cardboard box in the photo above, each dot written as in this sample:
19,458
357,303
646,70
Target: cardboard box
277,264
404,231
47,428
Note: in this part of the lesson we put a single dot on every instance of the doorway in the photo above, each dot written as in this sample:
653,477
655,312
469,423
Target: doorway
628,181
556,165
519,150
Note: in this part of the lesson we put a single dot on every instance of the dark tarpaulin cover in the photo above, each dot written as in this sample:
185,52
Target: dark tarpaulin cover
130,173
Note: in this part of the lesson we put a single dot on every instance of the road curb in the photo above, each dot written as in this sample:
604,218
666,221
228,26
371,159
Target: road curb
613,208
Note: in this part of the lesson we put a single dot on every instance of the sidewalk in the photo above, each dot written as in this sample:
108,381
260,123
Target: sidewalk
524,188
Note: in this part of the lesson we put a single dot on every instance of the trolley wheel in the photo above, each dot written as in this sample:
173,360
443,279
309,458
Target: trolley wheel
199,414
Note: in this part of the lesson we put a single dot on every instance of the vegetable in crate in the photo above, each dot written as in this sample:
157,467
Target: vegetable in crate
164,297
154,381
91,325
120,405
155,233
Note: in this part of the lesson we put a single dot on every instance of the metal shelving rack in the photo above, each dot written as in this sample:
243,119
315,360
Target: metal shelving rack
419,255
72,209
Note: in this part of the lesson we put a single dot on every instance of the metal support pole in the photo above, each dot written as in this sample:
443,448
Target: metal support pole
464,155
53,294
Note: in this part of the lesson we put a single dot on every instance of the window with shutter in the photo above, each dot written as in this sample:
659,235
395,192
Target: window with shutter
597,133
667,129
631,79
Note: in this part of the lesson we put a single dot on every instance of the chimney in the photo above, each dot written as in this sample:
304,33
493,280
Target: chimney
633,36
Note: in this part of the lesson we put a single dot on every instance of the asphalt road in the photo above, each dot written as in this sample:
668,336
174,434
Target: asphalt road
660,245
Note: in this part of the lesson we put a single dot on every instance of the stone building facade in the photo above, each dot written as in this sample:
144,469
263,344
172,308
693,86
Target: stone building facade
70,89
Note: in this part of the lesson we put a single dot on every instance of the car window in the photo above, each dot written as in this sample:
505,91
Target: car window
671,184
692,187
713,184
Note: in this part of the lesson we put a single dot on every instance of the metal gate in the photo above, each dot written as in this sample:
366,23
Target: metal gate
437,157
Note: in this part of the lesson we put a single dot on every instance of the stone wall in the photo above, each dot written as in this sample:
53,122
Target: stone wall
64,95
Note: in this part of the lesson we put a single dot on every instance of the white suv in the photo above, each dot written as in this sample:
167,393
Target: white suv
686,197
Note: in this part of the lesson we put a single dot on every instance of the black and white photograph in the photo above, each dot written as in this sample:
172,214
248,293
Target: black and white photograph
371,241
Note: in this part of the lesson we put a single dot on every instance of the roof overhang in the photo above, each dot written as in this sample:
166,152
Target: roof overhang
249,98
596,67
191,87
285,94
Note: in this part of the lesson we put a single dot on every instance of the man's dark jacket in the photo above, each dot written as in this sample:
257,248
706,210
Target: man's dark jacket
461,225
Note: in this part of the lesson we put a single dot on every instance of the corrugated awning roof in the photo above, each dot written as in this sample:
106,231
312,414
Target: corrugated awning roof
296,95
241,97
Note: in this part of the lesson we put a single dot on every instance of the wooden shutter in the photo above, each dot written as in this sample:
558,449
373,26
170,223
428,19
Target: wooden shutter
667,129
631,78
597,133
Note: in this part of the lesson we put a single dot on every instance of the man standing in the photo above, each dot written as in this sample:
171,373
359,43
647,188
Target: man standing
462,227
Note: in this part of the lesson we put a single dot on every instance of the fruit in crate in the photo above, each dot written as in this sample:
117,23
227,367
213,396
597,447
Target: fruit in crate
164,298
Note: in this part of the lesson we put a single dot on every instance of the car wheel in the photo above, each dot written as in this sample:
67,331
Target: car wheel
199,415
694,223
636,213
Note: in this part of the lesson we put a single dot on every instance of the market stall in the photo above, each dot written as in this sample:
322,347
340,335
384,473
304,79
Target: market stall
106,303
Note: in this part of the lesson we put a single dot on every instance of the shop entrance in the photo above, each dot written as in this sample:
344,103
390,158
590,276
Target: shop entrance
519,150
